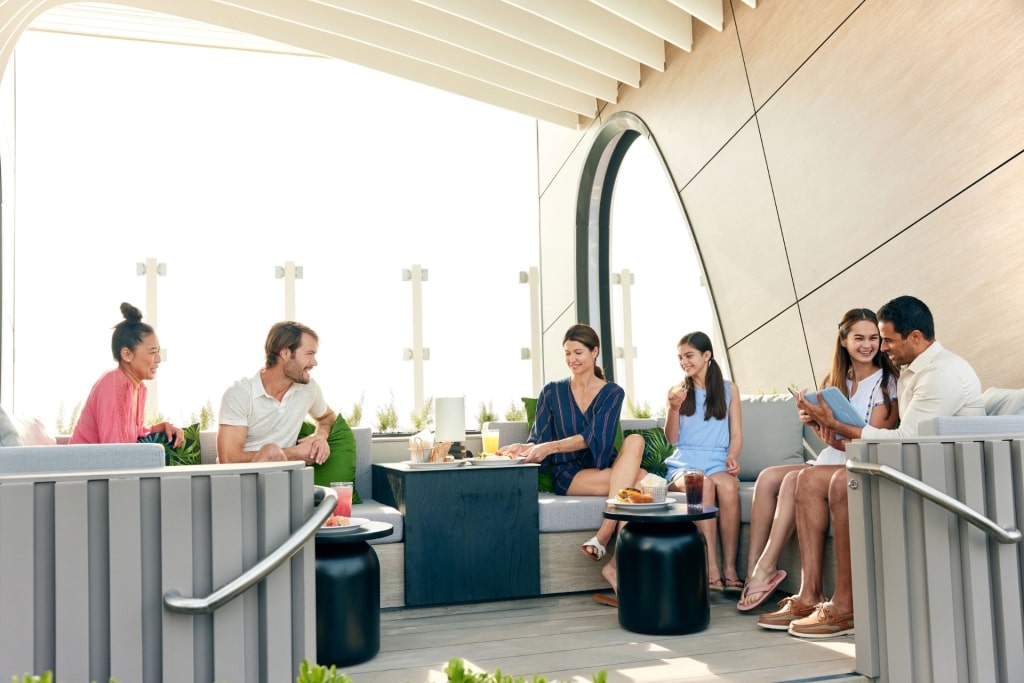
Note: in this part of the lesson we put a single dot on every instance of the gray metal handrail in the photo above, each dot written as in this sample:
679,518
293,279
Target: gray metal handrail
1007,535
326,500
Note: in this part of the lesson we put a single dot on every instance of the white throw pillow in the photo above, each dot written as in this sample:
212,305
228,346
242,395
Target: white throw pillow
1003,401
9,435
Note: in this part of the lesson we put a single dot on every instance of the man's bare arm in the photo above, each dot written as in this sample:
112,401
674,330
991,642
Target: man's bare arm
230,444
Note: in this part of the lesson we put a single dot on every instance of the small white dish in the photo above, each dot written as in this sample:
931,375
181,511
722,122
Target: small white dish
446,465
495,461
354,524
640,506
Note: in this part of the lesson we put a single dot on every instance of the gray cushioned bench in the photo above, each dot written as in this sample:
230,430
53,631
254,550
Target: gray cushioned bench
79,457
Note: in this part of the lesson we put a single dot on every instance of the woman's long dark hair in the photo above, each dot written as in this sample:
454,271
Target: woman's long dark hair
714,383
842,364
585,334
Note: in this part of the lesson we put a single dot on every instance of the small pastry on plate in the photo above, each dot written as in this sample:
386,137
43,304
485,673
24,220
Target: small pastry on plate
623,496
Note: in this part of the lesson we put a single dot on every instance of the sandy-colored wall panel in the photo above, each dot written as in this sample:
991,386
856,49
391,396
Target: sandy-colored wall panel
889,119
963,261
554,354
697,103
555,145
779,35
772,358
730,208
558,238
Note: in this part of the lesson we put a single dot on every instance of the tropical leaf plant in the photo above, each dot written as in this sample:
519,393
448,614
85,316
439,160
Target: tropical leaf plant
185,454
657,449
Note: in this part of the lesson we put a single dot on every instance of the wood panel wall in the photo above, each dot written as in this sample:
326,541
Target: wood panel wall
831,156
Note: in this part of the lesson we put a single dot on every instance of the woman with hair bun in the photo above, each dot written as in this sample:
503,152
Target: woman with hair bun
115,411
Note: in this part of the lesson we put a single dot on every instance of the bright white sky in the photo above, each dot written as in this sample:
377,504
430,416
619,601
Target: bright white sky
225,164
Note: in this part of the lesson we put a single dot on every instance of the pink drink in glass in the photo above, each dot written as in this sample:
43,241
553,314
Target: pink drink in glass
344,491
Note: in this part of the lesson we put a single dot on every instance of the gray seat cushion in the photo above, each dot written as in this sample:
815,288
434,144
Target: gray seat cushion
379,512
69,458
569,513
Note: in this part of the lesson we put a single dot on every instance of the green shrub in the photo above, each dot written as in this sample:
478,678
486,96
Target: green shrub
424,417
515,413
485,414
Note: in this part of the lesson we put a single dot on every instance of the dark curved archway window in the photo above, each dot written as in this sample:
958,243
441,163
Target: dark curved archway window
640,280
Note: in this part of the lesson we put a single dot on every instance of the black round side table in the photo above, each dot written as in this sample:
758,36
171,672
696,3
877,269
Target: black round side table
662,570
348,595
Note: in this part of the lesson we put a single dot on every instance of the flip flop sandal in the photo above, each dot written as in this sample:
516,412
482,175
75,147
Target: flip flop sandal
603,599
716,585
766,591
732,586
599,550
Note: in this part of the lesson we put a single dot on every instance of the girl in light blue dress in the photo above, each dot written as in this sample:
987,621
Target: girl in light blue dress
703,421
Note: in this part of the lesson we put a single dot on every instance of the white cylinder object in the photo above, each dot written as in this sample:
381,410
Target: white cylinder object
451,419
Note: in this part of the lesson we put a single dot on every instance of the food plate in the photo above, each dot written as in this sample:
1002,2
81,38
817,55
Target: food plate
446,465
354,524
495,461
640,506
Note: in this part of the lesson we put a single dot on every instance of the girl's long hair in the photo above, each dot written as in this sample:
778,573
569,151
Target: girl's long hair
714,383
842,365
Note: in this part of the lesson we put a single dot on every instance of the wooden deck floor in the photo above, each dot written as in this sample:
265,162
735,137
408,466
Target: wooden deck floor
570,637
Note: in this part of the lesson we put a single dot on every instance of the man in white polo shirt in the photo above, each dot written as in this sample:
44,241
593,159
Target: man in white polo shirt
933,382
260,416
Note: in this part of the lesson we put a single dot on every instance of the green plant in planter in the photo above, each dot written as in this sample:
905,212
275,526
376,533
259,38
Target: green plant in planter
485,414
424,417
185,454
515,413
387,417
356,416
638,409
205,418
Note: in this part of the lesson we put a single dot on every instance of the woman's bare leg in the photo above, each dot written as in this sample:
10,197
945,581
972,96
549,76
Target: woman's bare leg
623,473
709,527
763,510
727,492
783,525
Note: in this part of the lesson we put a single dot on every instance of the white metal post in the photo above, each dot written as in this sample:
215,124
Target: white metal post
534,352
627,351
418,353
289,273
151,270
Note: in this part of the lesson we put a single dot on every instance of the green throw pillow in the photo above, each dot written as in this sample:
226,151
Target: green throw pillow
545,482
657,449
531,412
341,466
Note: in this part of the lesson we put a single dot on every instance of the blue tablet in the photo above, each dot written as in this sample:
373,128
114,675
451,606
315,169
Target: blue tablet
840,405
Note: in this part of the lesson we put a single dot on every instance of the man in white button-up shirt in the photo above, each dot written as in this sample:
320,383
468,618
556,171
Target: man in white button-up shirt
933,382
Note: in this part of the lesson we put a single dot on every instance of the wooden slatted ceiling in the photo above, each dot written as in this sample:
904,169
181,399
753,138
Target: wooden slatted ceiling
554,61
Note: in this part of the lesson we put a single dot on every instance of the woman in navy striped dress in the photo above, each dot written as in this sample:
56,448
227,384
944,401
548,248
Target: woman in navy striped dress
574,434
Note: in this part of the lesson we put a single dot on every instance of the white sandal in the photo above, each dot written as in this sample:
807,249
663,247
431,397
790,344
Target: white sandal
596,545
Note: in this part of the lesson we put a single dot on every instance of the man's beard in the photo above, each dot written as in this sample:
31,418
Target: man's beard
295,373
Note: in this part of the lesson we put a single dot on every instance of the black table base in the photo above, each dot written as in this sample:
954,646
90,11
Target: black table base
348,596
663,579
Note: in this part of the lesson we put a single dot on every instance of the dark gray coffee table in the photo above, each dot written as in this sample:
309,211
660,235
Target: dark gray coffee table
471,533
